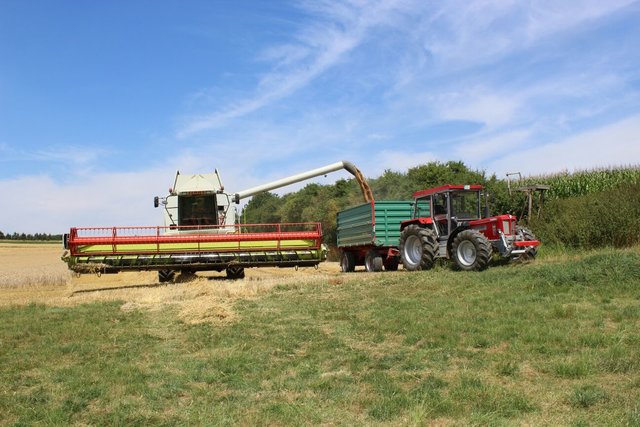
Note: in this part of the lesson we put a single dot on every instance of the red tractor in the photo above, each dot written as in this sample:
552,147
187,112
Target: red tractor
447,223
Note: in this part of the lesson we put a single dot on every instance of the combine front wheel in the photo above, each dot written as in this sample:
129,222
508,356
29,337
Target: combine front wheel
418,248
471,250
166,275
234,272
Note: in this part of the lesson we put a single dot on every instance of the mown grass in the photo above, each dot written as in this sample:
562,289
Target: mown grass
548,343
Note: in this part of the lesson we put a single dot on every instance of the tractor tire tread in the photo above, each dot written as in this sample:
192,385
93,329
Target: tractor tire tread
429,245
483,250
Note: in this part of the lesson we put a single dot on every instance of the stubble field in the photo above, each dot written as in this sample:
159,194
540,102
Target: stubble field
35,274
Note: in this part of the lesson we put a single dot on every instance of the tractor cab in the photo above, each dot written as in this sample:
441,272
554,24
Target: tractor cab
451,206
448,223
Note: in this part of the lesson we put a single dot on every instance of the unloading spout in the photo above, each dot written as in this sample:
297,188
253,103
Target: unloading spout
348,166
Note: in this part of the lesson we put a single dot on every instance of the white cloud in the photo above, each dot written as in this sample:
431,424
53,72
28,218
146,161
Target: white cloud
321,45
481,105
74,154
616,144
397,161
470,33
476,151
107,199
547,17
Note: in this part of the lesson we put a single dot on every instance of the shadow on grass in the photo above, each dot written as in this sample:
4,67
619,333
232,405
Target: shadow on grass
118,288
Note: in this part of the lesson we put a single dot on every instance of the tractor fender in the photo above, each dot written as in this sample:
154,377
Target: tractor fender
422,222
453,235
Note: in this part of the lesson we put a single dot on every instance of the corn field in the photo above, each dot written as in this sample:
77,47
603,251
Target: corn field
565,184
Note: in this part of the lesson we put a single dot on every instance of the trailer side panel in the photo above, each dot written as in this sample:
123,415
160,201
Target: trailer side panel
372,224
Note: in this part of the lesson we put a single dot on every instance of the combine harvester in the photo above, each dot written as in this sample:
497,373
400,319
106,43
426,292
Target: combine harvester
201,233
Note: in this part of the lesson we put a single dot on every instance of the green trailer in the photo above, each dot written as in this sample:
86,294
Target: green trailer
369,234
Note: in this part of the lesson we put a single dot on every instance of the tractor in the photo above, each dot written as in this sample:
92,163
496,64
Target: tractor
447,223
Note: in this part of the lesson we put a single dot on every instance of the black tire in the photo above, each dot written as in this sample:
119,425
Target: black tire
347,262
373,262
391,264
523,233
418,248
471,250
166,275
235,273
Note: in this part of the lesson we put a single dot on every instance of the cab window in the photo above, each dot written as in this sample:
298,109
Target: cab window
197,210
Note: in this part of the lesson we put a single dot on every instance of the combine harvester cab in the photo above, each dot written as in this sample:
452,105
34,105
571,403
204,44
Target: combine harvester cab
200,233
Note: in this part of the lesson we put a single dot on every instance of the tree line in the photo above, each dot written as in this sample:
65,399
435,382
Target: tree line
321,203
567,219
43,237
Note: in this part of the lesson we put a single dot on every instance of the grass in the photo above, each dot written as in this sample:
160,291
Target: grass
549,343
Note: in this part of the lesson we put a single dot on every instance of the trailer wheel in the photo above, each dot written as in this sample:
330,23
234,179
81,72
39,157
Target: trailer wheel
235,273
418,248
347,262
373,262
471,250
166,275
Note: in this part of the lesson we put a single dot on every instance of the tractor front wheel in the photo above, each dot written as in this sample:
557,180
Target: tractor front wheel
418,248
471,250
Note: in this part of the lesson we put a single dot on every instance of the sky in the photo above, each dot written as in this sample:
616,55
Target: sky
101,102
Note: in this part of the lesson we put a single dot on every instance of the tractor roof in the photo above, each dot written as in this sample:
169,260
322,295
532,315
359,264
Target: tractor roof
445,188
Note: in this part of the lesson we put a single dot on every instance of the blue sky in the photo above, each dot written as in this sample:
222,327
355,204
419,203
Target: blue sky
101,102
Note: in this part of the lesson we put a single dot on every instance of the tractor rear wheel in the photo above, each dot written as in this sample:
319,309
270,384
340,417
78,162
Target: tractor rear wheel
234,272
418,248
347,262
373,262
471,250
166,275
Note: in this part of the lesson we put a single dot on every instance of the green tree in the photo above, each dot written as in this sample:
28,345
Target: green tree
391,186
263,208
320,203
434,174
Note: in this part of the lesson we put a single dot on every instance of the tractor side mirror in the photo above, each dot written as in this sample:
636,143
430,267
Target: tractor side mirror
156,202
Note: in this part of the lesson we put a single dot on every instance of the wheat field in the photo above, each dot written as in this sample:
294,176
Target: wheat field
35,274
